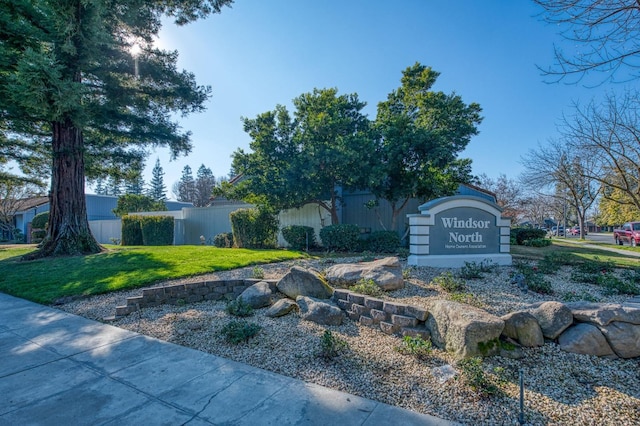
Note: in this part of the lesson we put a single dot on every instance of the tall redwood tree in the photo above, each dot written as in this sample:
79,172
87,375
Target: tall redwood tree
72,94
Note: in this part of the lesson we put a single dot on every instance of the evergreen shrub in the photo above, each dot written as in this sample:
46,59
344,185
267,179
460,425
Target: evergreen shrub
254,228
299,237
341,237
223,240
40,221
157,230
522,235
383,242
131,230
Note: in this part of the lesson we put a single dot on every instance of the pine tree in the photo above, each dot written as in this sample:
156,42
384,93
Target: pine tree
73,97
135,184
114,186
157,190
100,186
186,188
205,181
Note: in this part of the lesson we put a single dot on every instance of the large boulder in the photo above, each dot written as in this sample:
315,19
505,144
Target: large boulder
553,317
319,311
304,282
257,296
464,330
386,273
604,313
523,327
585,339
281,308
623,337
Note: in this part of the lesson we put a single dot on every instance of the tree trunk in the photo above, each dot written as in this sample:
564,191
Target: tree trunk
68,232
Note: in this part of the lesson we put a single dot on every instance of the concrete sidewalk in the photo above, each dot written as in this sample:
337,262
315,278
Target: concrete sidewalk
62,369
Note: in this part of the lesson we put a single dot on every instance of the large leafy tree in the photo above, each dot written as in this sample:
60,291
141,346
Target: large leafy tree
421,134
307,158
72,93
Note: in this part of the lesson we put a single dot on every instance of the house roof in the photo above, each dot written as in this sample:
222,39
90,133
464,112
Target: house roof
30,203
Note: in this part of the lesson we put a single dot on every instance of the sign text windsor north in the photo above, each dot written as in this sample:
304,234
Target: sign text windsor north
459,235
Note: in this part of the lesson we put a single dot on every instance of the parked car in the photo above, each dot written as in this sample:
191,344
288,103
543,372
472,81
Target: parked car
557,230
629,233
576,231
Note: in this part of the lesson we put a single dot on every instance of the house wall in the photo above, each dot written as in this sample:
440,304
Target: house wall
378,218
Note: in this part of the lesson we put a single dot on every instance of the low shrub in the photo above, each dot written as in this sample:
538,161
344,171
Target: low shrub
257,272
131,230
449,282
537,242
299,237
552,262
157,230
238,331
223,240
239,308
533,278
473,270
521,235
40,221
368,287
474,376
341,237
37,235
467,298
331,345
254,228
416,346
383,242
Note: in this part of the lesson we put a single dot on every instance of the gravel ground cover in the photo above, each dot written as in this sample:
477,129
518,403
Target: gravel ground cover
560,387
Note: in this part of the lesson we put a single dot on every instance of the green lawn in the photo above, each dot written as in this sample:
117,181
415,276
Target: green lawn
119,268
580,253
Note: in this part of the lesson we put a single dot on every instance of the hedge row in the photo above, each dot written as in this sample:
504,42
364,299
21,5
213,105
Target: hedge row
147,230
254,228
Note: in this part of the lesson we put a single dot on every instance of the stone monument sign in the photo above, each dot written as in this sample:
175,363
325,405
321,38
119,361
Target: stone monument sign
453,230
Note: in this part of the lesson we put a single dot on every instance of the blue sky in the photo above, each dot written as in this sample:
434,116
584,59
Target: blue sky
262,53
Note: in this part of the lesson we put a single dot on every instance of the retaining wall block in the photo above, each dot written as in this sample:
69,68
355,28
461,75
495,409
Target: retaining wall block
360,309
213,296
344,304
394,308
388,328
353,316
340,294
194,298
403,321
373,303
419,331
365,320
418,313
356,298
378,315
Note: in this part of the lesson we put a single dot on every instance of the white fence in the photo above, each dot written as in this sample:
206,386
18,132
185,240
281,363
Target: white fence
191,223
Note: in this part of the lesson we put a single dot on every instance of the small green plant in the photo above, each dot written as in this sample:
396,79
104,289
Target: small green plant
551,262
416,346
408,272
595,266
257,272
615,285
473,270
572,296
239,308
473,375
449,282
331,345
467,298
367,256
534,278
238,331
367,286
